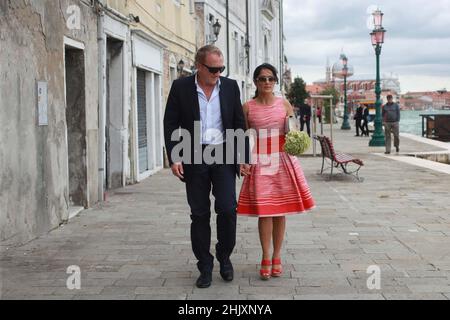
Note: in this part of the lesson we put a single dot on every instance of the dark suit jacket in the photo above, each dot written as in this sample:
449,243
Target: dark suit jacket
366,114
305,111
358,114
183,110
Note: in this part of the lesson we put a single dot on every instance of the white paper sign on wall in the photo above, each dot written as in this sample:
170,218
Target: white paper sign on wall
42,100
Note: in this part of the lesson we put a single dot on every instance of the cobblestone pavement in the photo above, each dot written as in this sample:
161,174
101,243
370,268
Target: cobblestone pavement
136,245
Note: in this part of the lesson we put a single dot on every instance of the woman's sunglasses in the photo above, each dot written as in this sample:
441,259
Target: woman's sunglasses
267,79
214,70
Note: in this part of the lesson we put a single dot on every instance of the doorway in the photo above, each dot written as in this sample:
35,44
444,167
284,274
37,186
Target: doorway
149,123
114,125
76,127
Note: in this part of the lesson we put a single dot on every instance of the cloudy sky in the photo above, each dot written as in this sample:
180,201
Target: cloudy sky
416,48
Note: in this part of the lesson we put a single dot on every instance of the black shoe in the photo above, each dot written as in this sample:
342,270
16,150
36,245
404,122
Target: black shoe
387,152
227,272
397,149
204,281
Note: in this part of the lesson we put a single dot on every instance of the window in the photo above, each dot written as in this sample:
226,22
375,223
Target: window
268,9
266,50
236,52
242,54
210,37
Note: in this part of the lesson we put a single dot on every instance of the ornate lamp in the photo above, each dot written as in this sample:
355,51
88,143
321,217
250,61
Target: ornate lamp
180,68
216,29
343,70
377,37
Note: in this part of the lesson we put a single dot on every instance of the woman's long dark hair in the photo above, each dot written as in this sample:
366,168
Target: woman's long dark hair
258,70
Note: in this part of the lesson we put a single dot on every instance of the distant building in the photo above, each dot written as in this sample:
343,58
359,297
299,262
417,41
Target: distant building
287,76
425,100
359,87
362,84
314,89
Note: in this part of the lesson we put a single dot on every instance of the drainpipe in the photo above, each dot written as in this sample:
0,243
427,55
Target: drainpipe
101,40
281,47
228,37
247,36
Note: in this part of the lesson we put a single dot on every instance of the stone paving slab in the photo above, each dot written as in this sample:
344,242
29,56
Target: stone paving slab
136,245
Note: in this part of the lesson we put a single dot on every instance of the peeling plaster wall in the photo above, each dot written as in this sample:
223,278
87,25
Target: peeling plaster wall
34,184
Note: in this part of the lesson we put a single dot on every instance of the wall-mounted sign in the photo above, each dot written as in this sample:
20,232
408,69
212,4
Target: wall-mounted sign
42,101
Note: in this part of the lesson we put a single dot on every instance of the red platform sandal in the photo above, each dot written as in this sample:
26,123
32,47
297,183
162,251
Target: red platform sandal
277,272
265,273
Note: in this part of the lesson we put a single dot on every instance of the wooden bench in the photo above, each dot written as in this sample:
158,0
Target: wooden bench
338,160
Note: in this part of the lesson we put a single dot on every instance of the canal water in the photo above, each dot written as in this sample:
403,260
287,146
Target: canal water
411,121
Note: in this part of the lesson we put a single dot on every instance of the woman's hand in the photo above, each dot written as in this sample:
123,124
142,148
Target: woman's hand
245,169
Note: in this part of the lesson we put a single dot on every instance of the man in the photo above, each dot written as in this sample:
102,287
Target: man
206,105
365,123
305,117
358,120
391,119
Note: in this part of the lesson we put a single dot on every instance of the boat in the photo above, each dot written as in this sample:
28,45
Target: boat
436,126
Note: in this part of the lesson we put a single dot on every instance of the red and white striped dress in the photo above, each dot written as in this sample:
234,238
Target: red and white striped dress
276,186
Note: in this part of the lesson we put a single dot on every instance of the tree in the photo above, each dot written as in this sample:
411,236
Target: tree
330,91
297,92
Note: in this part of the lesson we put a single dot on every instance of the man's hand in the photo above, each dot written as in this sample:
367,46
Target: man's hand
177,170
245,169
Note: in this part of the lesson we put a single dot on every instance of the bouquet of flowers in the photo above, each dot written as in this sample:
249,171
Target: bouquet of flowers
297,142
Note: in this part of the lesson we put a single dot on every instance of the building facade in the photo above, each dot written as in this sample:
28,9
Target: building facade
251,33
84,84
48,115
141,46
90,80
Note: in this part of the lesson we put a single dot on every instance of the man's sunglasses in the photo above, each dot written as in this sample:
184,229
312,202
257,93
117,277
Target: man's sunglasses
214,70
267,79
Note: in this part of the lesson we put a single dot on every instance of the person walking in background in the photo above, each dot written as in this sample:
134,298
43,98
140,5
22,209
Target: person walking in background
365,121
319,113
297,111
305,117
358,117
212,102
391,120
275,186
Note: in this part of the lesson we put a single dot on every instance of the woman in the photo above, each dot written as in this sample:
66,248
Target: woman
274,186
319,113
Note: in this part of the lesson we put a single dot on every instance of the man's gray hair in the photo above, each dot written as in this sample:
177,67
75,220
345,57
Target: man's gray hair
204,51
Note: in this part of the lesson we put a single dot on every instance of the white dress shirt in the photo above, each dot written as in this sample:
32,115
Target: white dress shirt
212,131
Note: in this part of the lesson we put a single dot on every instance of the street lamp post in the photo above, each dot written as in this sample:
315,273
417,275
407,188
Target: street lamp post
342,70
345,73
377,37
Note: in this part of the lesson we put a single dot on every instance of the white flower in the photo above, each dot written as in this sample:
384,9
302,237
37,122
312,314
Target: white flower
297,142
